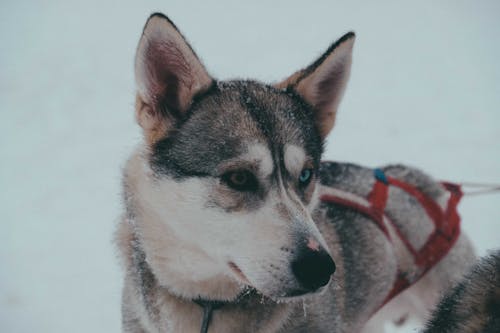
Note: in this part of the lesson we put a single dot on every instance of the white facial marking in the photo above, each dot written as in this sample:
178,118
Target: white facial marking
257,152
295,158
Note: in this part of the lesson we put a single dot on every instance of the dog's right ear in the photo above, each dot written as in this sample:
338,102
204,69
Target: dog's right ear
168,75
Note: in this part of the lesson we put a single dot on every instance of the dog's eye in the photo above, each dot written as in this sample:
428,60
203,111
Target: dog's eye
305,177
240,180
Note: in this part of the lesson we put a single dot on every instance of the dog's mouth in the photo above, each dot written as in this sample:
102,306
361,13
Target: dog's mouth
239,273
299,295
289,296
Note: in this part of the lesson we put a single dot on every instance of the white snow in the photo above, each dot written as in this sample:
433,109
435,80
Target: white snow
425,90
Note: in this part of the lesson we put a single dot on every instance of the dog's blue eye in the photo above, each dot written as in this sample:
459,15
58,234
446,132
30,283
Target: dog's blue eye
240,180
305,176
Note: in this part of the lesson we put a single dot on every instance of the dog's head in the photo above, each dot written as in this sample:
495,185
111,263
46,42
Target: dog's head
235,164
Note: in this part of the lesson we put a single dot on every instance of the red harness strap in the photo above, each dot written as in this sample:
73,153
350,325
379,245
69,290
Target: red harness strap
440,241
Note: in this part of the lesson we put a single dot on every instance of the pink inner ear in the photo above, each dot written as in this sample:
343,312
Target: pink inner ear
330,85
167,72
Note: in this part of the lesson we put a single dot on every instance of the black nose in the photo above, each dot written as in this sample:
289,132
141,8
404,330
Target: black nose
313,268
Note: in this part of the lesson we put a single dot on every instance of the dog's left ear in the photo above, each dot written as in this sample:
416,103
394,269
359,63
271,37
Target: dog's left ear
322,83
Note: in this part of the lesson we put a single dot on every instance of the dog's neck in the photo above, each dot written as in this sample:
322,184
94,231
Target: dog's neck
217,287
150,286
202,313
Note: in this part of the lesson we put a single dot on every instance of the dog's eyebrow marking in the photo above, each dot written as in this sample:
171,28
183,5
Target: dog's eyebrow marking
258,152
295,157
258,157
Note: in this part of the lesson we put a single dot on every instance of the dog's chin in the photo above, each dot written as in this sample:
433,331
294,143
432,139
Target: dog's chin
289,296
298,295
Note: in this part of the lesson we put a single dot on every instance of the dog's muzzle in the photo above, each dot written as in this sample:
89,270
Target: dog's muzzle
313,268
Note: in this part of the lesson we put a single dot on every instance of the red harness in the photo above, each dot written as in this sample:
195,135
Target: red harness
440,241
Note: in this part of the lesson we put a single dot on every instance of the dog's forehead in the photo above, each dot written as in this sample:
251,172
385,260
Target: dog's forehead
249,110
245,120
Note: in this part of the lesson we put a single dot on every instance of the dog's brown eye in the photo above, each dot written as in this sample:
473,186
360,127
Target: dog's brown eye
240,180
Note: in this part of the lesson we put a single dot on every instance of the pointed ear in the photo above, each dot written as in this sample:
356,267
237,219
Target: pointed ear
168,75
322,84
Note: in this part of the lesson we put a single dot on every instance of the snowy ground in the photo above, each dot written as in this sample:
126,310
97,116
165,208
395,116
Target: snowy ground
425,90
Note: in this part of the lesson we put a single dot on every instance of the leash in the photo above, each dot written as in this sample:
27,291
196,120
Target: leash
208,308
479,188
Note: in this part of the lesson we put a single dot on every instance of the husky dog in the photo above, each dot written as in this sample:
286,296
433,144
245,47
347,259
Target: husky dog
473,305
224,229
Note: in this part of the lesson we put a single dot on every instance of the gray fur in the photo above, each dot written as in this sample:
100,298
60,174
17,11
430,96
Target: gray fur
188,233
473,305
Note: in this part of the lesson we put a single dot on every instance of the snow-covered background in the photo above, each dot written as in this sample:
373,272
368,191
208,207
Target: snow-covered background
425,90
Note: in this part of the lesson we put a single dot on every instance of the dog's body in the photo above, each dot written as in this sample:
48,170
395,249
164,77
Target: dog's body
222,204
473,305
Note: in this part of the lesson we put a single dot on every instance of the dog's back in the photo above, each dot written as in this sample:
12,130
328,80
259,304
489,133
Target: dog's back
408,230
473,306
